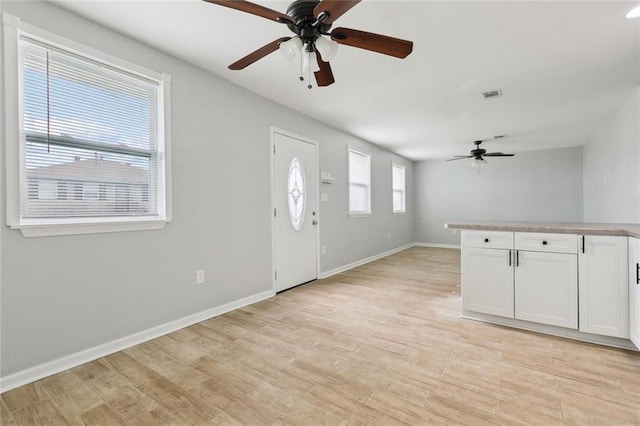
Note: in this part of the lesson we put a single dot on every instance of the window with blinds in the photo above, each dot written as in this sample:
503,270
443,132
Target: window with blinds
91,135
359,182
398,188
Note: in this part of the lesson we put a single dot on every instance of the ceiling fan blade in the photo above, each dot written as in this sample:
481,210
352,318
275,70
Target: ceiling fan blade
460,157
254,9
324,77
257,54
374,42
497,154
334,9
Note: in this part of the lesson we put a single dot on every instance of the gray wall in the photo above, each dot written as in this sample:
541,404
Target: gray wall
612,167
532,186
61,295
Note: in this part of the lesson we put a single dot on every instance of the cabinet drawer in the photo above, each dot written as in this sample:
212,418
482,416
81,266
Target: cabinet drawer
552,243
487,239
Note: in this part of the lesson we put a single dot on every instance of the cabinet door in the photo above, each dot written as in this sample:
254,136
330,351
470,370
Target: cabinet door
604,286
546,288
487,281
634,291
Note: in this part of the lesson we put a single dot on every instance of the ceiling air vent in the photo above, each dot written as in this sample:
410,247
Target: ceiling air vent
492,94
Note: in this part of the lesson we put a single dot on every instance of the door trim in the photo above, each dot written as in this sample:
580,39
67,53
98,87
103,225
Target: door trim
272,132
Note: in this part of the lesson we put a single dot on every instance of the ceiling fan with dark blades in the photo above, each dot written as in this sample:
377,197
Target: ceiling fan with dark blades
310,20
478,153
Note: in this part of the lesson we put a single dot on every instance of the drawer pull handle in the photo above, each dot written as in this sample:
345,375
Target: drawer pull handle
544,243
486,240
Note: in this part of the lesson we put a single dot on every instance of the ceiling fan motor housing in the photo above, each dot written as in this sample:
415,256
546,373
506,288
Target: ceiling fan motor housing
301,12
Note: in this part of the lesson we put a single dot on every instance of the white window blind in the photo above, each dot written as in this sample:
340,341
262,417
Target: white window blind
92,138
398,185
359,182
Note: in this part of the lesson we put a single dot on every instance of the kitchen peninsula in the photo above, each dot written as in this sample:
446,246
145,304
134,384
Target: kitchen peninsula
575,280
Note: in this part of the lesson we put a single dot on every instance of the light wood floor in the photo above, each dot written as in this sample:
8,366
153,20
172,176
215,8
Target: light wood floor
380,344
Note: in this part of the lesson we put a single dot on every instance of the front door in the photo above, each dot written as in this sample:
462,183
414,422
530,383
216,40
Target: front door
295,211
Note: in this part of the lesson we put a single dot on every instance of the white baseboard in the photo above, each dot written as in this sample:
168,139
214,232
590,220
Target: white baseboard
52,367
344,268
448,246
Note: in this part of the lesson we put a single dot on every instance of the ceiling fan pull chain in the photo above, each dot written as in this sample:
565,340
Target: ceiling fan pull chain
309,71
301,63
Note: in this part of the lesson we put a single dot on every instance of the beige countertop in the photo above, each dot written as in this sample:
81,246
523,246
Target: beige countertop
622,229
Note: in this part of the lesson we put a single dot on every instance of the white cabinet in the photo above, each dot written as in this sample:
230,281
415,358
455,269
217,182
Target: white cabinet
546,288
498,278
604,285
588,285
487,281
634,291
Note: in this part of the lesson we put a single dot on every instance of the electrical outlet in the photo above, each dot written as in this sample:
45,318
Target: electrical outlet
324,249
454,231
200,276
388,235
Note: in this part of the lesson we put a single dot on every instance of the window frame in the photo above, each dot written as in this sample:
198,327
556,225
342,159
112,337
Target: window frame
368,211
13,29
404,189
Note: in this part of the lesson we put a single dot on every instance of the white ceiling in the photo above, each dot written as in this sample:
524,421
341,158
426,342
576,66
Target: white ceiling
563,67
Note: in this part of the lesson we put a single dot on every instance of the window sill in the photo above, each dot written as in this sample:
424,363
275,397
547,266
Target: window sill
49,230
359,215
399,213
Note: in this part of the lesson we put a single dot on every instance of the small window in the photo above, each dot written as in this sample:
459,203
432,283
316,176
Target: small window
88,126
297,194
399,190
359,183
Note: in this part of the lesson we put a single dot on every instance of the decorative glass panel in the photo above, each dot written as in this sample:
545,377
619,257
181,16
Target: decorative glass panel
297,194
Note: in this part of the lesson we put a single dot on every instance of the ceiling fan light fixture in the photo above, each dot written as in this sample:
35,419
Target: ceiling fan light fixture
291,48
327,48
479,162
633,13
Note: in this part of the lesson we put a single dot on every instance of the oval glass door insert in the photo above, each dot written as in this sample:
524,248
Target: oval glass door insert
296,194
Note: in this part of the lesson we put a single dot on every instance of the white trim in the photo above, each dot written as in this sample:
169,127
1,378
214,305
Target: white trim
50,230
38,372
360,215
11,115
54,40
361,262
447,246
551,330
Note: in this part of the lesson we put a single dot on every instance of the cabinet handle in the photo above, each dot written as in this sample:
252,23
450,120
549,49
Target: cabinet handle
509,257
583,244
544,243
637,273
486,240
517,258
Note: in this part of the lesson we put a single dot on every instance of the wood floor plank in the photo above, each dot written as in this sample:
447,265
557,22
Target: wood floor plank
6,419
381,344
24,396
42,412
70,395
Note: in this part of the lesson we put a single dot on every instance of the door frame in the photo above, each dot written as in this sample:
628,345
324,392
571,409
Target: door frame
272,132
